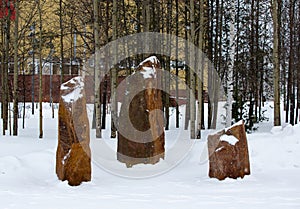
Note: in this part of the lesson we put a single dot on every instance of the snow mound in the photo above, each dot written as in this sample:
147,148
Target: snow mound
286,130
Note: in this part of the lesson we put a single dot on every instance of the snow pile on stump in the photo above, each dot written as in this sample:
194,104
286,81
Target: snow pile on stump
228,153
73,155
141,136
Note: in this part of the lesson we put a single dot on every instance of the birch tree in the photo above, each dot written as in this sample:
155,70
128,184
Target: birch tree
231,66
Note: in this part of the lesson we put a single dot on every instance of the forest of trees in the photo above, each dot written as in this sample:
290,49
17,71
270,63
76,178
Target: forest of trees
253,45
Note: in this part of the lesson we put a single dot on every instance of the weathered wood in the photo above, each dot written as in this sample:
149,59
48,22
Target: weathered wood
73,156
141,136
229,157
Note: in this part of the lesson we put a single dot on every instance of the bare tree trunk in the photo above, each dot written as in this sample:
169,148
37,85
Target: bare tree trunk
2,70
237,94
61,28
205,50
5,73
275,8
146,20
187,74
114,74
40,72
216,61
200,69
291,82
2,65
105,84
139,13
251,73
262,72
192,39
210,23
125,25
176,57
257,60
187,108
97,70
297,119
16,70
167,75
104,98
9,113
231,66
23,83
33,68
146,15
217,81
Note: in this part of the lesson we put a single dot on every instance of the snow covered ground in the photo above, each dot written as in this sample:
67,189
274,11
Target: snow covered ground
28,179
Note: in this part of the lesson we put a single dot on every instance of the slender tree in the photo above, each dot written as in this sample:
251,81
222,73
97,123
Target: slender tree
2,69
291,83
61,36
40,72
218,60
5,91
114,73
210,25
231,66
16,70
176,59
97,69
23,83
187,74
297,119
167,66
192,39
276,28
200,68
32,28
105,83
